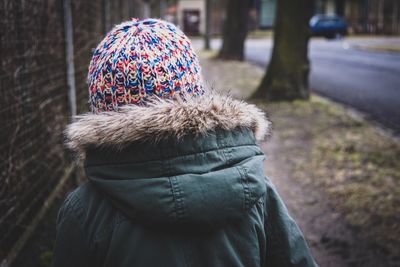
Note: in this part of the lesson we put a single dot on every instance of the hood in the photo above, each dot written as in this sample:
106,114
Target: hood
176,162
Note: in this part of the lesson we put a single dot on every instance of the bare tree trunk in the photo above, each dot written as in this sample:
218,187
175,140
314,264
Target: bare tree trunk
286,77
235,29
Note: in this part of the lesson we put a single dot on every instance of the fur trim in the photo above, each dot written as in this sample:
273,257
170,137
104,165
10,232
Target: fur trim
165,118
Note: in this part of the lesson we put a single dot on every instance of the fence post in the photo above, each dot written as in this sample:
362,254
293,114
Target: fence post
106,16
207,35
69,56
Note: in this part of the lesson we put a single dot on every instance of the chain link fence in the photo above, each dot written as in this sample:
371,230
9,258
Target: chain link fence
34,99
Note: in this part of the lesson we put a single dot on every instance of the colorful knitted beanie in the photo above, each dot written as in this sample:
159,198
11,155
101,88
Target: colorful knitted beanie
138,60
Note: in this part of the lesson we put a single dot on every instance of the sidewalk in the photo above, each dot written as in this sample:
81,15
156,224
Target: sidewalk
337,173
377,44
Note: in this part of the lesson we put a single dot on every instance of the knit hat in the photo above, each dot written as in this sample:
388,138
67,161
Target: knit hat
139,60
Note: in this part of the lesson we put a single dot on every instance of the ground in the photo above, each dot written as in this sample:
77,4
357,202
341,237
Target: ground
337,172
333,182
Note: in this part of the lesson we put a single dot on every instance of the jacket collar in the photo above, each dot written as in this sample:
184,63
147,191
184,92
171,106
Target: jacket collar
163,119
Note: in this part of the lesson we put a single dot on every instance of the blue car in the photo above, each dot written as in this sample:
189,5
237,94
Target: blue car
329,26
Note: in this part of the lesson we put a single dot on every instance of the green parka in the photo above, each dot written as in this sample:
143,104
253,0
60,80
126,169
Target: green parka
176,184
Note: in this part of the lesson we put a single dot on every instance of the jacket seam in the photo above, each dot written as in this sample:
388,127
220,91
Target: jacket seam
87,242
178,197
73,207
116,221
220,143
222,148
246,191
174,212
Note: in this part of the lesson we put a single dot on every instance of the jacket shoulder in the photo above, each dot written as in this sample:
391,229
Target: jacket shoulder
77,201
286,245
91,210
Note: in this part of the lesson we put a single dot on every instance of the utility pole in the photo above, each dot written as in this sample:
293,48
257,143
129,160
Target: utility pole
207,36
69,53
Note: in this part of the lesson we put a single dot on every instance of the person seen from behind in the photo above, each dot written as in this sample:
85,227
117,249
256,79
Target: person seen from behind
175,175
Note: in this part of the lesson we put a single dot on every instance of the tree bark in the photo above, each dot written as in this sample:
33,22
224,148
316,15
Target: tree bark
287,74
235,29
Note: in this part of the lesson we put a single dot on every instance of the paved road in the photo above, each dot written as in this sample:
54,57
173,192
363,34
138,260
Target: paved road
367,81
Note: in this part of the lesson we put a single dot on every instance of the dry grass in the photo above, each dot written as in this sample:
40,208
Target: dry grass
351,161
258,34
379,48
238,78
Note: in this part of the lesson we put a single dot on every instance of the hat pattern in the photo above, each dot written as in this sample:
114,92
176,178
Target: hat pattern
138,60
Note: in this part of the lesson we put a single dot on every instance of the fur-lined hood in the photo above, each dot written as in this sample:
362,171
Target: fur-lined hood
162,119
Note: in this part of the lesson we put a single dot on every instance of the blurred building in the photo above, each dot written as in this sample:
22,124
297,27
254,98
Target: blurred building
191,16
266,10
